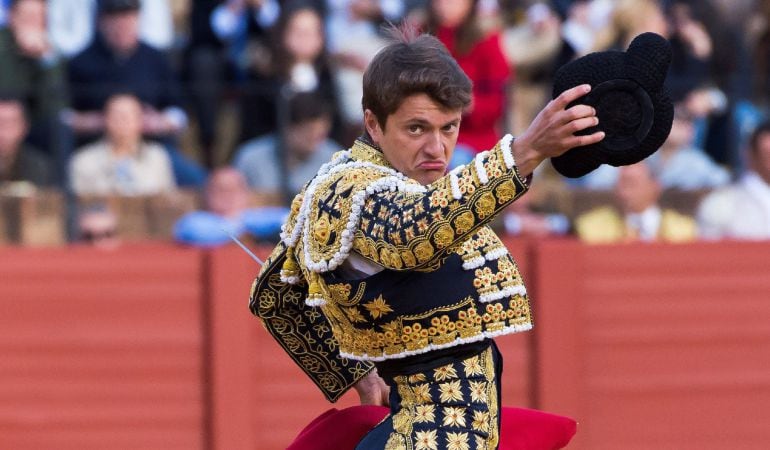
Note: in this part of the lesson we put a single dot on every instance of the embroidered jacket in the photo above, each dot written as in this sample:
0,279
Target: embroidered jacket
448,278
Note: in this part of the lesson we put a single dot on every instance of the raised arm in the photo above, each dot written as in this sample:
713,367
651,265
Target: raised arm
405,231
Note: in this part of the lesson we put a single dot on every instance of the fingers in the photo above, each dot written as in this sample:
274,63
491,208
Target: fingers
578,112
570,95
581,124
579,141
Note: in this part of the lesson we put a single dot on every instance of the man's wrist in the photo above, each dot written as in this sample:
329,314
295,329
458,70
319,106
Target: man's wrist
527,158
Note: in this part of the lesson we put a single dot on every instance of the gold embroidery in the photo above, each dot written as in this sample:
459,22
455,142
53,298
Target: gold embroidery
505,192
423,251
464,222
444,235
485,205
322,229
395,442
457,441
377,307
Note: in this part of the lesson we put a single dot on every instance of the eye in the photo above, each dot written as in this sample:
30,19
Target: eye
415,129
450,128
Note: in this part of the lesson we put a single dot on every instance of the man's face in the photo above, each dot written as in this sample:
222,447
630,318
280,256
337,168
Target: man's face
28,15
123,119
419,138
761,157
636,189
13,127
120,30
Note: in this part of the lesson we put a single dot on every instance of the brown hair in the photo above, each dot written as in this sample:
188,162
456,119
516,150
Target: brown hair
282,59
413,64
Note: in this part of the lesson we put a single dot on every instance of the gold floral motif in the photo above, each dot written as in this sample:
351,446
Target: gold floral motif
402,422
478,391
444,236
454,416
424,251
505,192
472,367
443,373
426,440
450,391
354,314
480,421
408,257
378,307
464,222
422,393
485,205
416,378
425,414
395,442
322,229
457,441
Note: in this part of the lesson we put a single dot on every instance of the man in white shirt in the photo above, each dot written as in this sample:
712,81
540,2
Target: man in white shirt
121,163
742,210
639,217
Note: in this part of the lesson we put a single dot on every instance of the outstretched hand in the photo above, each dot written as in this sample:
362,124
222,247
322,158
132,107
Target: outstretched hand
553,130
372,390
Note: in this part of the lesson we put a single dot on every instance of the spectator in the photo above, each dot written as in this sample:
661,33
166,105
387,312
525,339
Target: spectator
228,213
242,24
479,54
284,163
742,211
628,19
20,161
639,217
122,163
30,69
298,63
535,47
679,164
117,61
73,23
352,28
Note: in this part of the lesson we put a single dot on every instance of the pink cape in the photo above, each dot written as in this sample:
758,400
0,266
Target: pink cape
521,429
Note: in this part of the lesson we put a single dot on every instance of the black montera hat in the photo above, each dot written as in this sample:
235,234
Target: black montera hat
634,109
117,6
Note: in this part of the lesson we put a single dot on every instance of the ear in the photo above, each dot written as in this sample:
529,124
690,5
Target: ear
372,126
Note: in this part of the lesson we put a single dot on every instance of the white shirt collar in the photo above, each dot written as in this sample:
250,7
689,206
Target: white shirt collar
646,223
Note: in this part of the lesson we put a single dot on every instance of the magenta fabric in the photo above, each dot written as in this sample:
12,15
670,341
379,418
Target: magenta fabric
521,429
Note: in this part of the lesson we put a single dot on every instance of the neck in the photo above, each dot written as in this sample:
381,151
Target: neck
124,147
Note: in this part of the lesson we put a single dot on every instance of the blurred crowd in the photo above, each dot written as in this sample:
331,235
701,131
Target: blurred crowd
238,102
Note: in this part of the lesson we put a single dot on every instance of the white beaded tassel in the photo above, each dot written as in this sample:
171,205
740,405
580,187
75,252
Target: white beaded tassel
510,291
480,170
454,182
505,146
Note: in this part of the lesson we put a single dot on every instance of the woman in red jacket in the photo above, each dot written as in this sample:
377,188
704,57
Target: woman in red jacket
455,24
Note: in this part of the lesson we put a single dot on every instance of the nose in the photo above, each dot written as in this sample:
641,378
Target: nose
434,148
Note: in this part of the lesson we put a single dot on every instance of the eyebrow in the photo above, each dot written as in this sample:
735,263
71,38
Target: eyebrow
420,121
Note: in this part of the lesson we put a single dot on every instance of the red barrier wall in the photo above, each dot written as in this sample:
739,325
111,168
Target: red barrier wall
153,346
656,346
101,349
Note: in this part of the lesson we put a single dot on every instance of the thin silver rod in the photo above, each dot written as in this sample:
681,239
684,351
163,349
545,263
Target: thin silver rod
245,249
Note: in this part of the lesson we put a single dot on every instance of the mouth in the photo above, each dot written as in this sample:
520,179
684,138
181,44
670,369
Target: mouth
432,165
